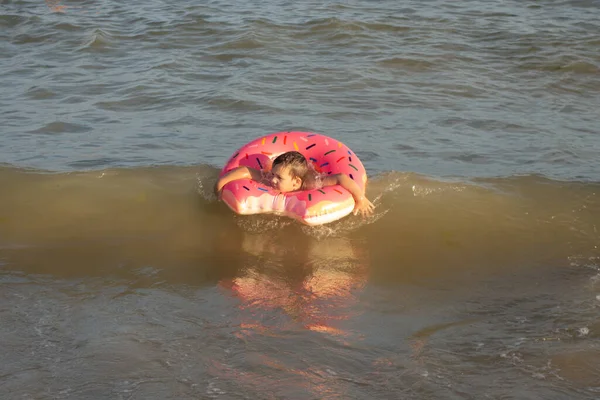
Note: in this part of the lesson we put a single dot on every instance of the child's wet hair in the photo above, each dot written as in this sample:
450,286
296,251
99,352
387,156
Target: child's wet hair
295,161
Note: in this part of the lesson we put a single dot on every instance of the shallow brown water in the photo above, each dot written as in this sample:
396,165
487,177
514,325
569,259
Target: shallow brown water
137,284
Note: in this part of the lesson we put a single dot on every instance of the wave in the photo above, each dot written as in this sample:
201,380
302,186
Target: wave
98,40
61,127
163,216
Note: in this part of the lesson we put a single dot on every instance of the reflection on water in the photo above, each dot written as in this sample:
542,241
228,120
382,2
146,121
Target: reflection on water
55,5
315,283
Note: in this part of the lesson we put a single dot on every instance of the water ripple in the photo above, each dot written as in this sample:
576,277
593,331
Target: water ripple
510,72
62,127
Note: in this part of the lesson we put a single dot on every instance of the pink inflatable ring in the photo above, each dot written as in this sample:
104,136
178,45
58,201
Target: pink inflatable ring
312,207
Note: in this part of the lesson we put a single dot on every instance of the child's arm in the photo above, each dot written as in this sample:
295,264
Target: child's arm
362,204
235,174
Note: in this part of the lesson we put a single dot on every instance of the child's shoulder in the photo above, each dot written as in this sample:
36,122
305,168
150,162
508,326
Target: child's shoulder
313,180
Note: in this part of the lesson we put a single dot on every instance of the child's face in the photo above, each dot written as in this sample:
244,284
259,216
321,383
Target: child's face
282,180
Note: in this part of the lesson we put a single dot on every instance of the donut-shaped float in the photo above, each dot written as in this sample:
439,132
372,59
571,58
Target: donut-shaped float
311,207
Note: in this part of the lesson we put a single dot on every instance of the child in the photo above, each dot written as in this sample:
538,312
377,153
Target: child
291,172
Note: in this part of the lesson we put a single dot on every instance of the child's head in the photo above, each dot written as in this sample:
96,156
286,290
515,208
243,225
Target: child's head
289,171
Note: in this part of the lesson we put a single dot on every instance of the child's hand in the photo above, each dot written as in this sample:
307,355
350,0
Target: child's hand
363,206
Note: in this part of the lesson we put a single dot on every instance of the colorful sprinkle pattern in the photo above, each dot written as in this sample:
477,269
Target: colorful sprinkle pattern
312,207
